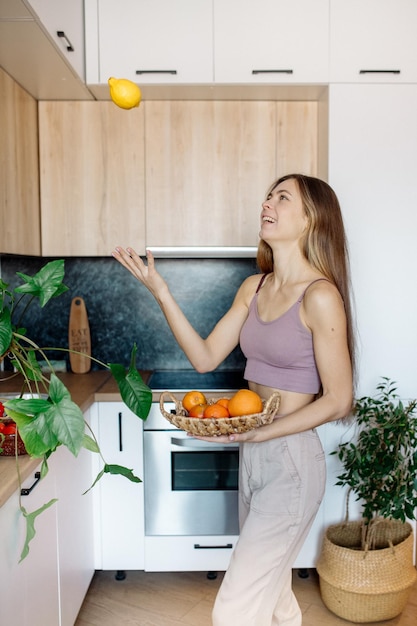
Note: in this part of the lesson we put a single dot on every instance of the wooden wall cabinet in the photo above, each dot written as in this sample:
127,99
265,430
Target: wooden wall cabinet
19,172
91,178
209,165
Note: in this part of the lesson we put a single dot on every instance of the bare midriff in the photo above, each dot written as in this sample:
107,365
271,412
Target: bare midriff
290,400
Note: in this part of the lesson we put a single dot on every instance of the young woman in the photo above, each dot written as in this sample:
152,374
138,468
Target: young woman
294,325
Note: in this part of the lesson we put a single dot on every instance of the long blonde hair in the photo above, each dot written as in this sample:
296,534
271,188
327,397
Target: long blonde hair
324,246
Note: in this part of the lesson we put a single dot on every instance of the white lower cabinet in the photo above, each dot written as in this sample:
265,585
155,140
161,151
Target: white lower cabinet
75,530
48,587
333,507
187,554
212,553
30,589
120,541
118,502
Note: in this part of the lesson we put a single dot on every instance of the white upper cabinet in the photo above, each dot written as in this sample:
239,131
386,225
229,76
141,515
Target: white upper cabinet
33,54
152,42
67,19
271,41
197,42
373,41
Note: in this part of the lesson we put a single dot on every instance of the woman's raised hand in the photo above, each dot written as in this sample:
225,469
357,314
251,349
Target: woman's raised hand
144,272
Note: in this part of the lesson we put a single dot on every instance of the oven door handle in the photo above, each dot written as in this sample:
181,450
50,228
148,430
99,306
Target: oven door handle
195,444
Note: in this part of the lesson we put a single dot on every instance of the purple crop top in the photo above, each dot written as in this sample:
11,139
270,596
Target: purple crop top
279,353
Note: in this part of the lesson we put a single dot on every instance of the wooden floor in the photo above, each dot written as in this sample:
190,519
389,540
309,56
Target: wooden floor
186,598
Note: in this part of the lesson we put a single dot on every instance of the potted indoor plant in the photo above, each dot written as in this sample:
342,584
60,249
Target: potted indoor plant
44,415
366,566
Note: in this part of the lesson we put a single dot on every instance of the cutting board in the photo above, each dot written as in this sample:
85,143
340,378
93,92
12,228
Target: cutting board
79,337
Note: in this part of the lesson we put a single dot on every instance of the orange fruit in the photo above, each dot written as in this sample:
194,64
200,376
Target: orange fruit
223,402
216,410
192,398
245,402
197,410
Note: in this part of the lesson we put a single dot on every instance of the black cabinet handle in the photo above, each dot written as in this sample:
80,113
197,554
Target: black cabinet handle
156,71
272,71
26,491
120,432
61,33
379,71
227,546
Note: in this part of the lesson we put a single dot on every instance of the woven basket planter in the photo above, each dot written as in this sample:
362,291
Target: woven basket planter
367,586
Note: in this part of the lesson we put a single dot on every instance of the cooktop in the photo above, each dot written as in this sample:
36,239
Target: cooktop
186,380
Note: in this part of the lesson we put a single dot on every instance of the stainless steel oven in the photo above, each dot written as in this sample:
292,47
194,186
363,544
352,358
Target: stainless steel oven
190,485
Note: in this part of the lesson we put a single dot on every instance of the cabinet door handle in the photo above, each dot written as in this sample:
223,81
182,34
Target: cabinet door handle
379,71
26,491
196,444
227,546
69,45
156,71
120,432
272,71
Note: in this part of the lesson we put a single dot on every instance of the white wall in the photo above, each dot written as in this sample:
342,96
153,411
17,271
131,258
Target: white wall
373,169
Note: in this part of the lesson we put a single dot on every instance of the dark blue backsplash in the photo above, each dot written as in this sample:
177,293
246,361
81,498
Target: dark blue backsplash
122,312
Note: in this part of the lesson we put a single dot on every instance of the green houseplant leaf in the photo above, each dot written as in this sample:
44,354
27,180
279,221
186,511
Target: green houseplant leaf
135,393
50,418
115,470
6,331
30,525
51,422
46,284
121,471
28,366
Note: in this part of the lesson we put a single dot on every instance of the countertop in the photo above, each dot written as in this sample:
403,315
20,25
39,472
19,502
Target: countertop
85,389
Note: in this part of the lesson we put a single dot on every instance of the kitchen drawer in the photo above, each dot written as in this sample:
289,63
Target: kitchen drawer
185,554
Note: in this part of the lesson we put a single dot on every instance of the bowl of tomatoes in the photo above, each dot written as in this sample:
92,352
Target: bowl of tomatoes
10,441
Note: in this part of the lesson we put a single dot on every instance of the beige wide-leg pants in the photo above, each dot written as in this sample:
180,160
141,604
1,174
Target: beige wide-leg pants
281,486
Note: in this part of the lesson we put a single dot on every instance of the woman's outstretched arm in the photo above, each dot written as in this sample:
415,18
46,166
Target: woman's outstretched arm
204,354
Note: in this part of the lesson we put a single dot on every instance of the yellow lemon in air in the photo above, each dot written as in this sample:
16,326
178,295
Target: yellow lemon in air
124,93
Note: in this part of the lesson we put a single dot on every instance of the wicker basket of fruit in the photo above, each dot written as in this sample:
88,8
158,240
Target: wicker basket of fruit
225,416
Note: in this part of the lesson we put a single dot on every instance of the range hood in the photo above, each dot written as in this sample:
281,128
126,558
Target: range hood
203,252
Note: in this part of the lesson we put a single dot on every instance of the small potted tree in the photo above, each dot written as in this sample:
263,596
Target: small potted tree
44,417
366,566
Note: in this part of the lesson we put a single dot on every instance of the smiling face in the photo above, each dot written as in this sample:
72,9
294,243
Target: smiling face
283,218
